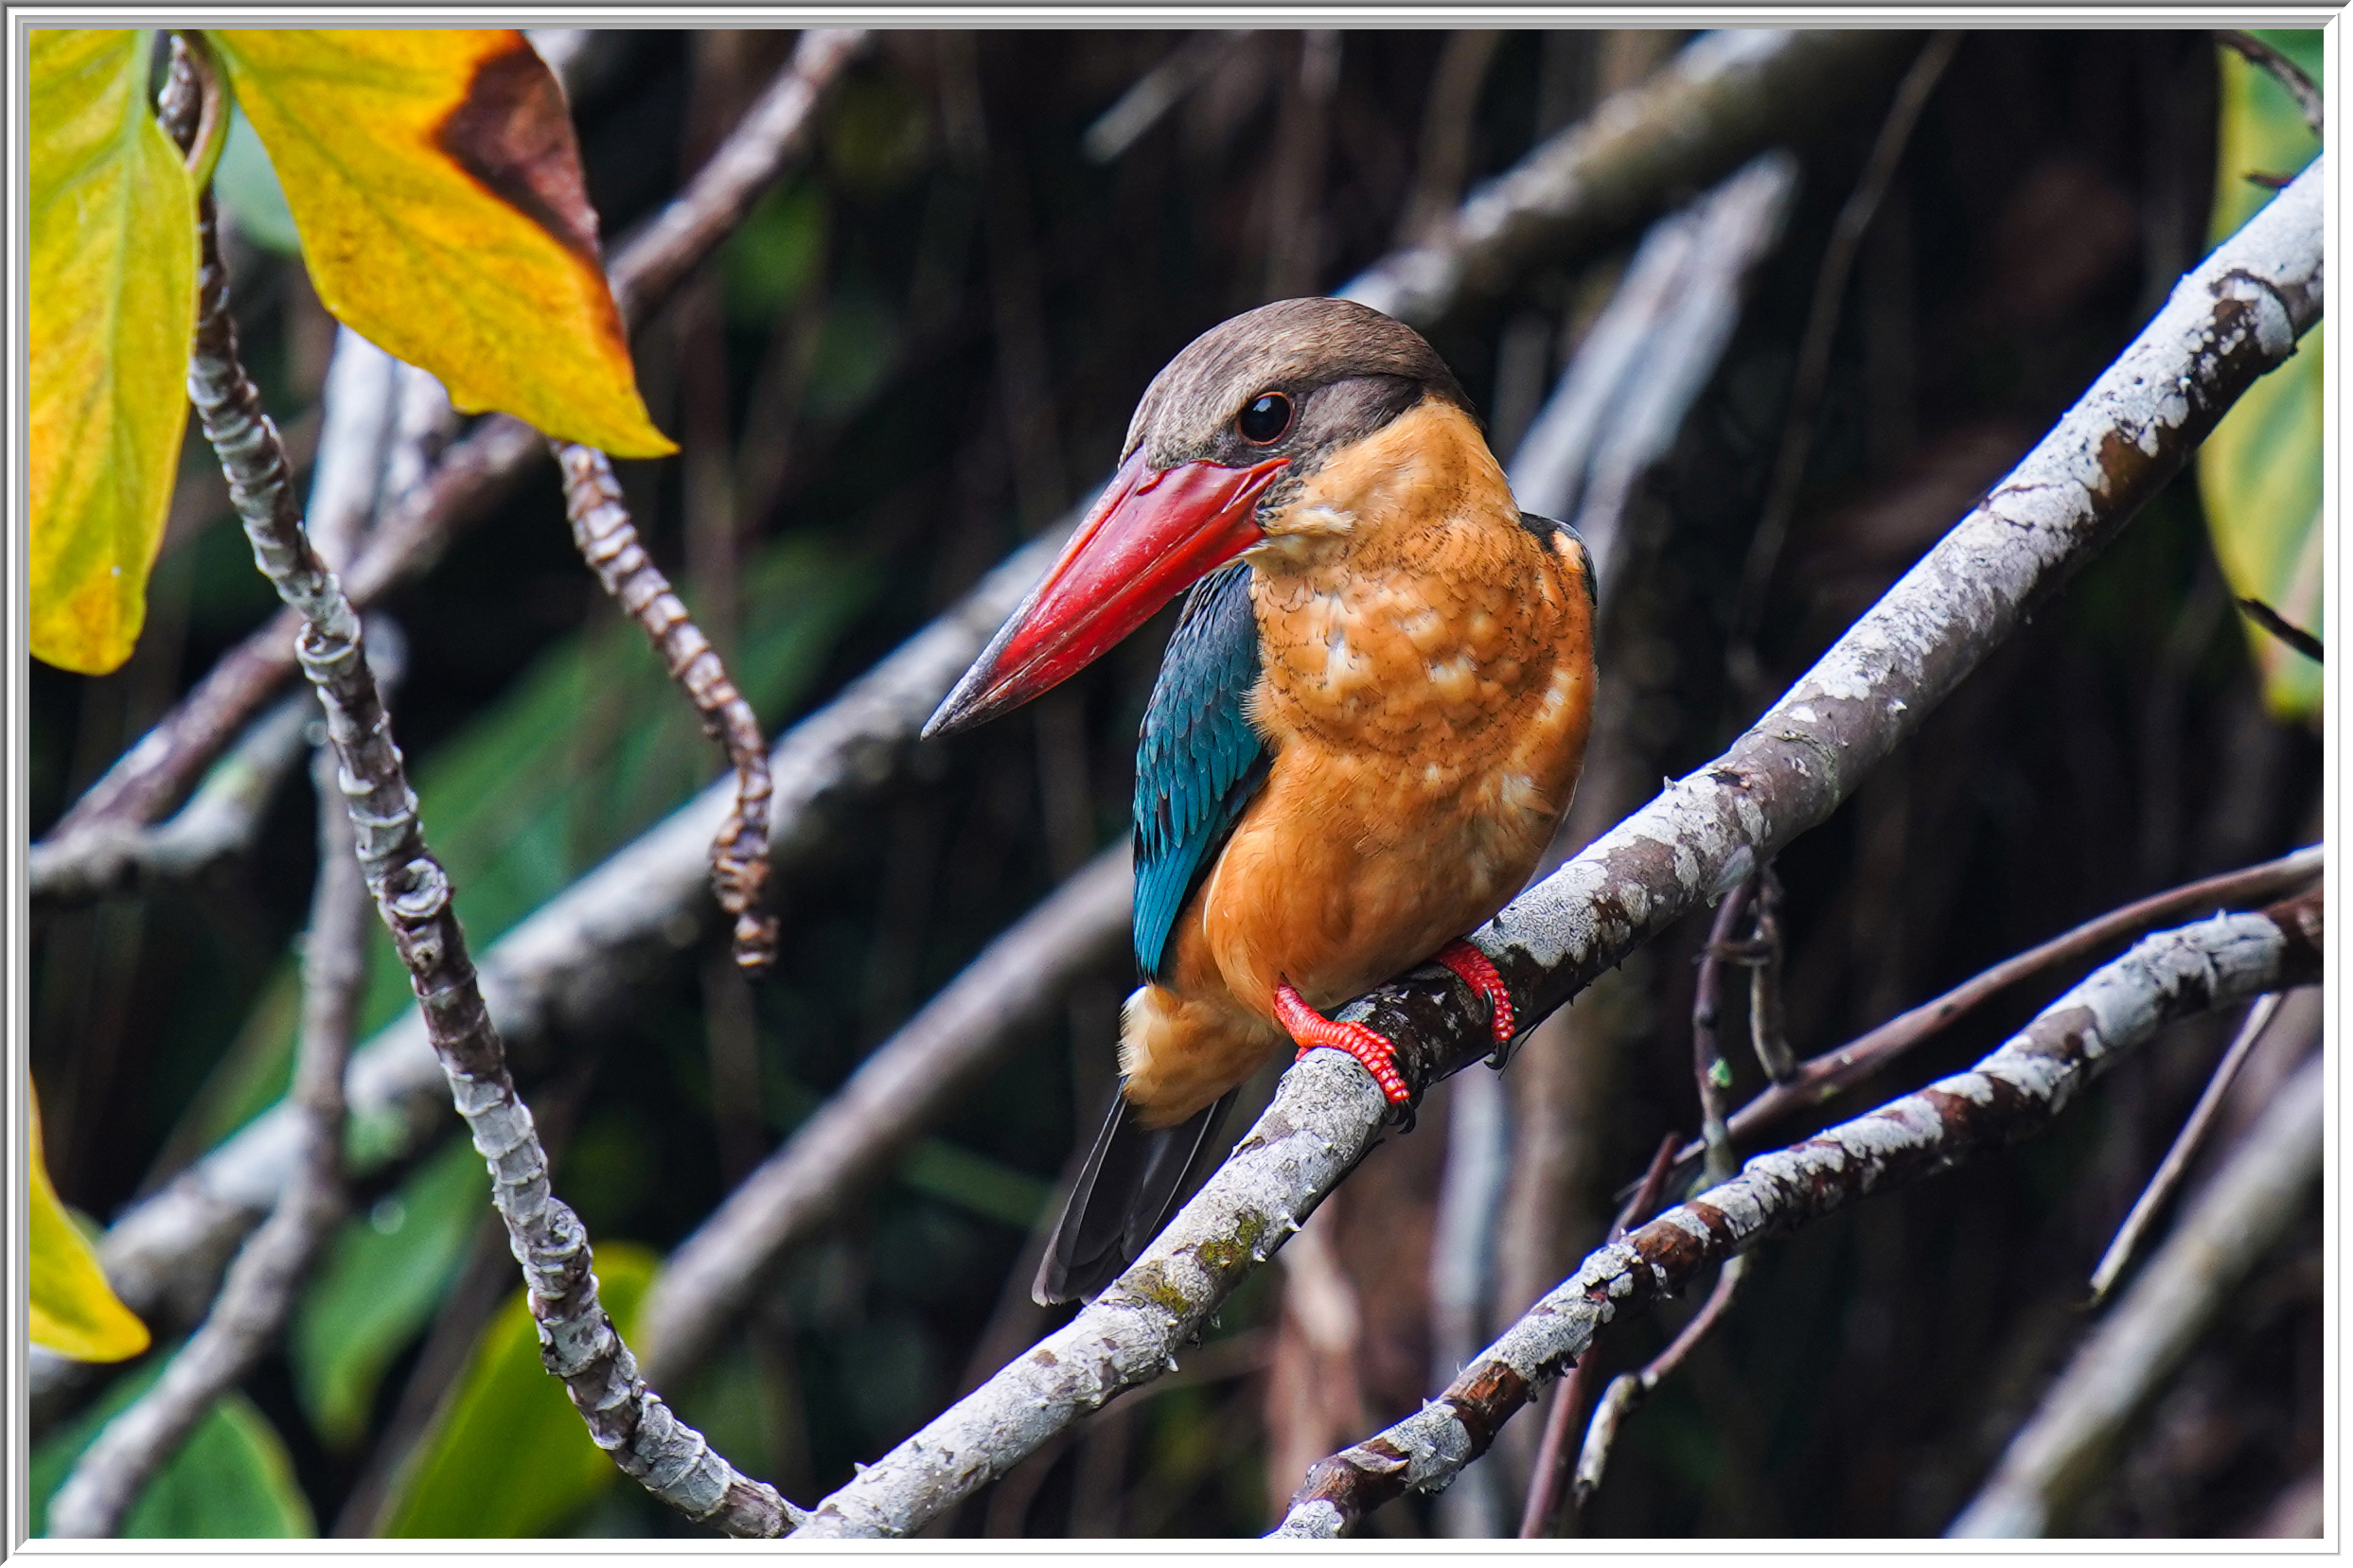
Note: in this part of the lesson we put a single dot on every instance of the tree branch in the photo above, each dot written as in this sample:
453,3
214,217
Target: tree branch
2234,317
478,471
601,528
414,899
2235,1221
2285,71
2011,1094
273,1265
1821,1078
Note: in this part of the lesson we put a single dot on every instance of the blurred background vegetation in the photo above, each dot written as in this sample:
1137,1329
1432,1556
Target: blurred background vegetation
921,350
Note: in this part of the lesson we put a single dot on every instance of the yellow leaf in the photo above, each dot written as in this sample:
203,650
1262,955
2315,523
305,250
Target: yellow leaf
2259,472
112,270
435,182
75,1312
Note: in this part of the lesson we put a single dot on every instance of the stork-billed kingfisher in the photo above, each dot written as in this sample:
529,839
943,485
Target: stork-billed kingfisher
1370,718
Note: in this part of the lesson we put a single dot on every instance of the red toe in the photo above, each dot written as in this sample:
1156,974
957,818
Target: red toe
1476,970
1311,1028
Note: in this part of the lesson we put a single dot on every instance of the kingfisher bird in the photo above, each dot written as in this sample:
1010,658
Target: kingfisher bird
1370,718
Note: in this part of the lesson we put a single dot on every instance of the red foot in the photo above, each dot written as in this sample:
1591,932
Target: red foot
1476,970
1311,1028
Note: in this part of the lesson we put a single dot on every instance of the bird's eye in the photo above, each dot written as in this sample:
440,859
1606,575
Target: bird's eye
1265,417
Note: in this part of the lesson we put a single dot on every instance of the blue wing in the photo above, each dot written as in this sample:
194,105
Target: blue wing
1199,761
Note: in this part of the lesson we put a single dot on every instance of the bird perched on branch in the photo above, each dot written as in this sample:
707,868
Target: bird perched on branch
1370,718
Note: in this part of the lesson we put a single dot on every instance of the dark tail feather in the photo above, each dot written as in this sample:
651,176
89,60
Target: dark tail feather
1131,1185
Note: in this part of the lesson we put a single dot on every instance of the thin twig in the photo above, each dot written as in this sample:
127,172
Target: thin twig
601,528
2017,1091
1768,1030
1627,1391
271,1268
2176,1162
1813,349
1710,1072
2285,71
414,899
478,471
2286,630
1820,1078
1544,1493
2237,1218
1155,93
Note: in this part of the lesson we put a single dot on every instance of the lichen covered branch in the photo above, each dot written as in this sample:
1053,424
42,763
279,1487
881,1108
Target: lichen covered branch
2011,1094
607,540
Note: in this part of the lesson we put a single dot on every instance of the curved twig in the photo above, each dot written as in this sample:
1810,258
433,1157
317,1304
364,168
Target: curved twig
607,538
2285,71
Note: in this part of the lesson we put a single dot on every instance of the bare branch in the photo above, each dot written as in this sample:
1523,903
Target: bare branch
478,470
2286,630
601,527
414,899
2285,71
2234,317
2011,1094
271,1268
1821,1078
900,1089
1157,92
2237,1218
2176,1162
1626,1393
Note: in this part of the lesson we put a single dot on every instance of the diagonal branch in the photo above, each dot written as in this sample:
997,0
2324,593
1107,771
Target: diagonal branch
2234,317
416,901
477,472
2012,1094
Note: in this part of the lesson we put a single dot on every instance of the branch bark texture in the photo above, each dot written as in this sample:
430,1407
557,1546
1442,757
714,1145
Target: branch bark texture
2011,1094
2236,316
2237,1218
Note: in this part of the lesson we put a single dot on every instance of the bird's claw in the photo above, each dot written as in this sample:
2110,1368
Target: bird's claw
1476,970
1370,1047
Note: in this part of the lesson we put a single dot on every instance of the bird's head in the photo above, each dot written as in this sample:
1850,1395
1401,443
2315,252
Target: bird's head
1221,449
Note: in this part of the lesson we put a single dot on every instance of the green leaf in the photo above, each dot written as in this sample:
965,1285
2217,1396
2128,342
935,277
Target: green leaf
248,190
112,275
2259,472
384,1275
436,180
231,1478
508,1455
73,1310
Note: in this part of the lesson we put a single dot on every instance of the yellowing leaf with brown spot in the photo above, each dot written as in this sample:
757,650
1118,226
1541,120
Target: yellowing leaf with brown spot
74,1311
435,182
112,275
